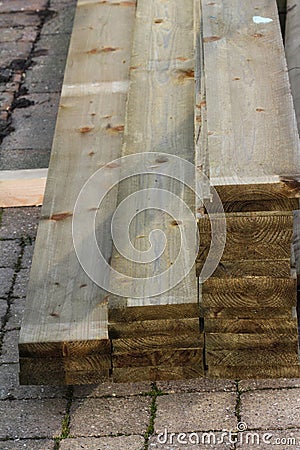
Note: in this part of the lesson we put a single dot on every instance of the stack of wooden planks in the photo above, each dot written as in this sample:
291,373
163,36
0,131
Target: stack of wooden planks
130,90
249,304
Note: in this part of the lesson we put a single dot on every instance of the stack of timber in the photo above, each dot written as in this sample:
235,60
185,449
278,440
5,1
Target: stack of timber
64,334
249,304
158,338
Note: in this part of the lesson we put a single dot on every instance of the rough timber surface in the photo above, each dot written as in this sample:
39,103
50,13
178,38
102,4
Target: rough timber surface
22,187
292,50
251,89
162,68
63,304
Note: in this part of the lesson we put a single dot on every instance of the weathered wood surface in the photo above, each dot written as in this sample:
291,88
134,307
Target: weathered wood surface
162,68
247,313
265,357
256,326
172,358
150,343
159,328
250,268
157,373
249,104
235,341
22,187
292,51
254,372
63,304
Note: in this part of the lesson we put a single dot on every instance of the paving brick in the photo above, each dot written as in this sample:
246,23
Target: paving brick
9,34
24,159
104,443
46,74
6,100
277,409
31,418
27,256
20,286
196,385
10,353
20,5
113,389
3,311
34,125
9,253
195,412
268,439
22,19
62,20
14,50
6,279
11,389
30,444
110,416
190,441
15,314
19,222
250,385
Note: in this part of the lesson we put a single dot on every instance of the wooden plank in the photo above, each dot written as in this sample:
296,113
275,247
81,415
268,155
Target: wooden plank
22,187
162,122
250,268
249,104
249,292
261,205
235,341
159,328
254,326
155,373
254,372
247,313
179,357
296,243
292,51
63,303
150,343
242,357
141,313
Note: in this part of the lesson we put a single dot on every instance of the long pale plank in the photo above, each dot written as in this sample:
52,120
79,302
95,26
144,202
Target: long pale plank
292,51
63,304
162,68
253,142
22,187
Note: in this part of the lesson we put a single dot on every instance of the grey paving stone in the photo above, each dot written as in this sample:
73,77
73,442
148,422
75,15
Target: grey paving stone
271,409
278,383
190,441
11,389
15,314
195,412
104,443
6,279
31,418
21,19
9,253
52,45
268,439
10,353
20,287
113,389
3,310
27,256
20,5
19,222
30,444
34,125
46,75
14,50
110,416
62,21
196,385
24,159
9,34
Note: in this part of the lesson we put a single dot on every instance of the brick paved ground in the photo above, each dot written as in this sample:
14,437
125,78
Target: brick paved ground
34,37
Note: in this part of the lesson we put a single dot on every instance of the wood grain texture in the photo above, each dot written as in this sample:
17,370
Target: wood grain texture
251,268
179,357
264,341
254,372
292,51
249,104
151,343
159,328
162,68
140,313
265,358
249,292
63,304
247,313
253,326
22,187
261,205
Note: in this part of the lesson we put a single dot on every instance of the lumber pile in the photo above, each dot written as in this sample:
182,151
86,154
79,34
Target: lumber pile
149,82
249,304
